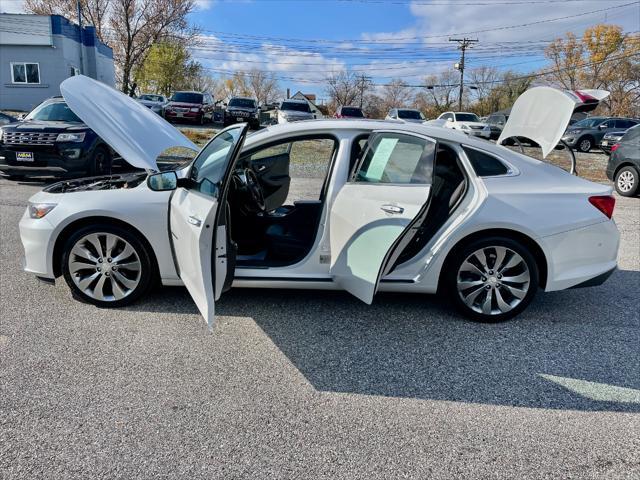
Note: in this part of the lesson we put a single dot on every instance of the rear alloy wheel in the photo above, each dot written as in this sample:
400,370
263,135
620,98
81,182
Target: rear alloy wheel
627,181
585,144
106,266
493,279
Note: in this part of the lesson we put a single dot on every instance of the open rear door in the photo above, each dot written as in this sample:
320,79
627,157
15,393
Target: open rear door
389,187
198,220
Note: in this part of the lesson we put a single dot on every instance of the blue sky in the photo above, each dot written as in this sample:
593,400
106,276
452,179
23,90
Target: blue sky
393,39
302,41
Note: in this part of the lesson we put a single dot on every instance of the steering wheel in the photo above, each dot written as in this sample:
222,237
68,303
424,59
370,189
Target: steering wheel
253,195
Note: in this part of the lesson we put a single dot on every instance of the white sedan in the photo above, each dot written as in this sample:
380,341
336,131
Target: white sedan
467,122
403,208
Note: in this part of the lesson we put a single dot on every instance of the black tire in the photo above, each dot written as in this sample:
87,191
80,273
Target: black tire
584,144
146,275
100,162
627,181
460,255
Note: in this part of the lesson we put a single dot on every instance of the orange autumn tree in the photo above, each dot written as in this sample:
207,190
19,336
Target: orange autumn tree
604,58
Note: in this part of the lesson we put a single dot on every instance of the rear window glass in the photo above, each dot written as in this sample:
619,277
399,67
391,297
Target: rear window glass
632,134
410,115
351,112
295,106
485,165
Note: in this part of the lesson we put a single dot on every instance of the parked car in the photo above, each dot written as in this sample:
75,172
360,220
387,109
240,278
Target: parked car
495,124
242,109
52,141
609,140
407,115
588,133
623,168
349,112
6,119
293,111
467,122
414,193
155,102
195,107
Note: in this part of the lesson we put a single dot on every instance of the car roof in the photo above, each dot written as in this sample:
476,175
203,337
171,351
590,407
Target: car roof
294,100
242,98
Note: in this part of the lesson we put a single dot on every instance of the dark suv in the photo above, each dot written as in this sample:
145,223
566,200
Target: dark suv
195,107
588,133
242,109
623,168
52,140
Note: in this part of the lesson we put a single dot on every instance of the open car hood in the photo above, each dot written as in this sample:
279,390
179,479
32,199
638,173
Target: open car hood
134,131
542,114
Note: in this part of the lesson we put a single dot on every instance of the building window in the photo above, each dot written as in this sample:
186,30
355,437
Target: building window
25,72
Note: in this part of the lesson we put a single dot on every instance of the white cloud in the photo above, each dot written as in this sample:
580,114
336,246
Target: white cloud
204,4
11,6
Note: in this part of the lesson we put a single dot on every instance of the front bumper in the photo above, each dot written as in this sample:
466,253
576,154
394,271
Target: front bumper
578,256
171,115
37,240
57,161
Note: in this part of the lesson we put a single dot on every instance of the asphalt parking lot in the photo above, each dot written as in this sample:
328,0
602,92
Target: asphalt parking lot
316,385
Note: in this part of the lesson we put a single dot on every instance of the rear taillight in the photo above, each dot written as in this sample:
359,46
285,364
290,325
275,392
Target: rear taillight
604,203
615,146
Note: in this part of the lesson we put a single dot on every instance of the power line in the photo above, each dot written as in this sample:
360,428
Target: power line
463,44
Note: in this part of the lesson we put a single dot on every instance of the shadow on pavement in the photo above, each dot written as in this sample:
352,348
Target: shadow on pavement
576,349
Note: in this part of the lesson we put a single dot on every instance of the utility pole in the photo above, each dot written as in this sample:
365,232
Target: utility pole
363,82
463,44
81,37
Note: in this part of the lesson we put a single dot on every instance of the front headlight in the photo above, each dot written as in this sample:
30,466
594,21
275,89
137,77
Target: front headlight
39,210
464,127
195,109
1,132
70,137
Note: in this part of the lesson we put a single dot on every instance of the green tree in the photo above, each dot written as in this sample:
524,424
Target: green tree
167,67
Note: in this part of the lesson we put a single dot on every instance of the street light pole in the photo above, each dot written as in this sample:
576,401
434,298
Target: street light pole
463,44
81,36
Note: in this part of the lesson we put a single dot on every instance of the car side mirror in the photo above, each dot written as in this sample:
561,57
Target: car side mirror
602,127
449,119
163,181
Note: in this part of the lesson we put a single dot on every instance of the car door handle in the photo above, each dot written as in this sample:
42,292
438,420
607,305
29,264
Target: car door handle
195,221
395,209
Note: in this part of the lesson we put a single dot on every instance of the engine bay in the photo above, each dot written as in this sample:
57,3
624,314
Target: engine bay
106,182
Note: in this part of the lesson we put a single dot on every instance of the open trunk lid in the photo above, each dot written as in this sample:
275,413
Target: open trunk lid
542,114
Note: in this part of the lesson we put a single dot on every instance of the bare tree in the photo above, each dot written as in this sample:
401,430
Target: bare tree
130,27
440,93
343,88
264,86
484,79
396,94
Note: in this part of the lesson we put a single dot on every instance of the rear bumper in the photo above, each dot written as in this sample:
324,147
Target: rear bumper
581,256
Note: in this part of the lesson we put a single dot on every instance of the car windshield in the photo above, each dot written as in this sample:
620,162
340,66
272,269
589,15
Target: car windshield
242,102
296,107
410,115
152,98
496,119
351,112
588,123
53,112
467,117
187,97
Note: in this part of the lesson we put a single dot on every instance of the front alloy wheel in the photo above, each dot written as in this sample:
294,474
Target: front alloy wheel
627,182
106,266
584,145
494,279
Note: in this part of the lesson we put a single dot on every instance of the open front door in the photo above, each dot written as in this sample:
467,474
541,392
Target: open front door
388,189
198,220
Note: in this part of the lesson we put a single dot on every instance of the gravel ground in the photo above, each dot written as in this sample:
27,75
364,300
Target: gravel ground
316,385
